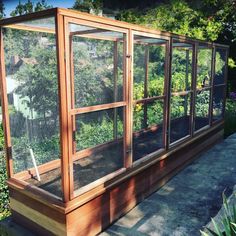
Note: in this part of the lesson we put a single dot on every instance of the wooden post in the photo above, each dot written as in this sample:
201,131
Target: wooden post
225,80
63,101
146,61
5,114
115,73
194,87
128,96
212,84
186,83
168,95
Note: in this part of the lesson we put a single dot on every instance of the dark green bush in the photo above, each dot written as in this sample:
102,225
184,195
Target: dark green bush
230,117
4,195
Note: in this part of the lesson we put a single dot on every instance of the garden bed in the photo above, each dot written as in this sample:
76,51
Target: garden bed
108,160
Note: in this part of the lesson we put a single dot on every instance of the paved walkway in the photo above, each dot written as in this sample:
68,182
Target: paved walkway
188,201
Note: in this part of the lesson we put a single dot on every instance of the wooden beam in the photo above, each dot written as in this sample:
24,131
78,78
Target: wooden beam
193,86
63,105
165,104
146,61
149,99
82,110
70,104
91,31
128,92
29,17
31,28
186,82
115,87
225,81
212,84
5,114
168,92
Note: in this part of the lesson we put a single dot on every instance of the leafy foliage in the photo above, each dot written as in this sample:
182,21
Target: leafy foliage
227,224
29,7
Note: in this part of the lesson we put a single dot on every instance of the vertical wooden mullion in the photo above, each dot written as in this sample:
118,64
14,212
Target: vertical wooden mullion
63,101
166,99
186,83
115,72
212,83
5,114
168,107
225,81
146,61
128,78
193,85
72,85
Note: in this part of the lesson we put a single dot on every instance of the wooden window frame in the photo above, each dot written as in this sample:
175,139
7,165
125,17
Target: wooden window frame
184,92
147,99
224,84
72,111
210,87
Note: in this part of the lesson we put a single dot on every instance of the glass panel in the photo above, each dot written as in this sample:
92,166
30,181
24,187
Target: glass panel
97,65
149,64
156,71
181,67
204,67
220,64
202,109
98,127
40,24
139,71
218,102
32,89
98,164
101,130
148,124
180,117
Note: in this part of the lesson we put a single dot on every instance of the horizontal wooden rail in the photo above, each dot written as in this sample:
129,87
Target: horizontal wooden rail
101,107
149,99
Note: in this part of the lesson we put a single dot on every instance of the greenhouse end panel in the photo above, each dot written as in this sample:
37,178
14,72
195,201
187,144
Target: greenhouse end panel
99,113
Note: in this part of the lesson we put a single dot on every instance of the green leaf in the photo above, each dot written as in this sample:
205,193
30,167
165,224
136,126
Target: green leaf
218,231
212,232
204,233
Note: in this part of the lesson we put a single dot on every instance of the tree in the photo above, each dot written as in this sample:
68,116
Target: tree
89,5
29,7
2,8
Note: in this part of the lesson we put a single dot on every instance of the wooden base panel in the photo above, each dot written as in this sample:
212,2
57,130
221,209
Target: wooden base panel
100,211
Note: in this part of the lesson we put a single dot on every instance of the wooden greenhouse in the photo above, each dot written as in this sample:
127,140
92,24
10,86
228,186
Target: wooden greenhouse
100,113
